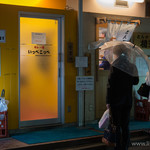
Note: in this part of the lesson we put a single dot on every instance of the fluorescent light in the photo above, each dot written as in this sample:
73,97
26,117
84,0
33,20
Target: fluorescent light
134,1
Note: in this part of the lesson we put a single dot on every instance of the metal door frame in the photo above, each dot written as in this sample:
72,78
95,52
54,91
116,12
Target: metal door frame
61,68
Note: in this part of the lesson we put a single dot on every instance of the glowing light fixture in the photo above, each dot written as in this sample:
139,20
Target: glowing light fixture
21,2
134,1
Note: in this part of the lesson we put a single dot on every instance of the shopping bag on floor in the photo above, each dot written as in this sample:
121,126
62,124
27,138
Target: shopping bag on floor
104,121
109,137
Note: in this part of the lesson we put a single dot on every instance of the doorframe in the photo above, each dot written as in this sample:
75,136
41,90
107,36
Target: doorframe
61,70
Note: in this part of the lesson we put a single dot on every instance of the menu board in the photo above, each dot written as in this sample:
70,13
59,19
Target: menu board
142,40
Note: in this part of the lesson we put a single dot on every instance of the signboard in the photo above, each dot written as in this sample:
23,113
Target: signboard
38,38
125,32
70,52
84,83
2,36
81,62
142,40
34,50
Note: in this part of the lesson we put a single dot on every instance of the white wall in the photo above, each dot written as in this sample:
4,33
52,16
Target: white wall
107,7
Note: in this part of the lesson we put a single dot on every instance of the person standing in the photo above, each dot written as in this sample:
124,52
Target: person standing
105,65
119,94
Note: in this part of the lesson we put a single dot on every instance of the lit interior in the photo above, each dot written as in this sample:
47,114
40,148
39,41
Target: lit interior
38,72
59,4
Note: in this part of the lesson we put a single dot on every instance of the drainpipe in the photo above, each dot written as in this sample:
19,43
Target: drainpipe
80,70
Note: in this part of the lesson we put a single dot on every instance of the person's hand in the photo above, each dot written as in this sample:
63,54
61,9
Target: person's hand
107,106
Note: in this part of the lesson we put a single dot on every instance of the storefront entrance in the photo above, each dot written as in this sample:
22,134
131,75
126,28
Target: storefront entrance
41,70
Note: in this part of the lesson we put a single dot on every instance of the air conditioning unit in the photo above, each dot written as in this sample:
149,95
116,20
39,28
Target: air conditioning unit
119,3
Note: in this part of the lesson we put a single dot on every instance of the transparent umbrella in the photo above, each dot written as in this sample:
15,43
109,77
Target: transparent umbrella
125,56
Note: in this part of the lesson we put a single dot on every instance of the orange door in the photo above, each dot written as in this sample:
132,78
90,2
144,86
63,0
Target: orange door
39,86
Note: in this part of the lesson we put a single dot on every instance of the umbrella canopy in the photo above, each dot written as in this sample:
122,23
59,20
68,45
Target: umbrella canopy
125,56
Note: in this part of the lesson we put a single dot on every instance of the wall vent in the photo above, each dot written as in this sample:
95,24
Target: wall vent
119,3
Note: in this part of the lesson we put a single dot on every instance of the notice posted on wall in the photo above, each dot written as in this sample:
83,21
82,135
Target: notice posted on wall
38,38
84,83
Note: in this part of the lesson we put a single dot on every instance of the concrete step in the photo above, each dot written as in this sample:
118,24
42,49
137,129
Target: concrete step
86,143
100,146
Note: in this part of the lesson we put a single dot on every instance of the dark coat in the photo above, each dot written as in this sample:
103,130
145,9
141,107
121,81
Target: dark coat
119,87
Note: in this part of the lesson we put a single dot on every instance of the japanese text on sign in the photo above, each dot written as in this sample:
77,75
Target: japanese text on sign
38,52
84,83
125,32
142,40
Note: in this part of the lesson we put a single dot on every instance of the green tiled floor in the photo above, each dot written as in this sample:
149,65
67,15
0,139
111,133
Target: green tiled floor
64,133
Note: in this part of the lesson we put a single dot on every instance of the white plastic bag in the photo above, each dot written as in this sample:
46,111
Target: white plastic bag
104,121
3,104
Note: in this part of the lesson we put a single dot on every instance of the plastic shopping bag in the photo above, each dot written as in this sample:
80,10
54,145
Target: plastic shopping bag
104,121
3,104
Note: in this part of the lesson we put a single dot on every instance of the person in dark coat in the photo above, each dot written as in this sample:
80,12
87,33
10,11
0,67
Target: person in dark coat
119,95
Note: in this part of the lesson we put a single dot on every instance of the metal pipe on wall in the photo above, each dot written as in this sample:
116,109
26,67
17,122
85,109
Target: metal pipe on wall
80,70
